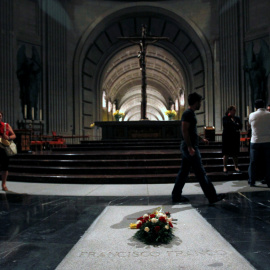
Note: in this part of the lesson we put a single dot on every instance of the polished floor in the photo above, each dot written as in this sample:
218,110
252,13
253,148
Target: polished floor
40,223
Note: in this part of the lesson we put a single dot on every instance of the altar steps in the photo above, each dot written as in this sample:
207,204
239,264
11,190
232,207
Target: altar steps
61,170
129,145
119,179
215,162
110,166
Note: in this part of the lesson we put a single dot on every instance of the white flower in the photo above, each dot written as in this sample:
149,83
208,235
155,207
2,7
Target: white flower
145,216
146,229
139,222
159,214
167,227
154,220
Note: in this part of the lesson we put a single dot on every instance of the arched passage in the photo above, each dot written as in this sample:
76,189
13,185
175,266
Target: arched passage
187,48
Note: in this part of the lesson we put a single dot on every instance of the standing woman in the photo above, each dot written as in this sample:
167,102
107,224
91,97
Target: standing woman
4,159
231,138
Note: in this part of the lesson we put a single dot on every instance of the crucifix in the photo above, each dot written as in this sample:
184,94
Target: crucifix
143,41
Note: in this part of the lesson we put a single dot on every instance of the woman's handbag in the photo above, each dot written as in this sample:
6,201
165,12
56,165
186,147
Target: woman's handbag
9,146
11,150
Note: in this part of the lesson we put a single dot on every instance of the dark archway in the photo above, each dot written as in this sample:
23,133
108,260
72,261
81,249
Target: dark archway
100,42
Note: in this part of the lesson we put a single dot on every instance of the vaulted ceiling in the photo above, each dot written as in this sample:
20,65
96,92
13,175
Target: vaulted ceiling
122,80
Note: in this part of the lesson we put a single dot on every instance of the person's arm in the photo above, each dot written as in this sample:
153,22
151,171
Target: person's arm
185,131
11,135
240,123
203,140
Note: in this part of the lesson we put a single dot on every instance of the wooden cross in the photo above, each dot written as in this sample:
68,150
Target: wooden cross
143,41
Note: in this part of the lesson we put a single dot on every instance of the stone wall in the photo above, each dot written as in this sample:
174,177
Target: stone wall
56,28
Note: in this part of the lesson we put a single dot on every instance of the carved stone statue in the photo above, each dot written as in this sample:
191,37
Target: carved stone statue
29,76
257,67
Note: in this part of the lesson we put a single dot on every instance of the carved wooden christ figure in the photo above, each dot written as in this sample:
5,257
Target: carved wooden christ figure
143,41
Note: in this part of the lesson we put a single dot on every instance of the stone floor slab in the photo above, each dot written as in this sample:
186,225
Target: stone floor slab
109,244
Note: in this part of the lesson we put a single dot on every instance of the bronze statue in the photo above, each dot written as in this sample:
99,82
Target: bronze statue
258,68
29,76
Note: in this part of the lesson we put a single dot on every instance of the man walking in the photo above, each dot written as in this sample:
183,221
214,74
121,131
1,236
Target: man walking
259,144
191,156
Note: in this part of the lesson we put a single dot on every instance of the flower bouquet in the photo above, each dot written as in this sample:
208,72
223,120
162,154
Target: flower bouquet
155,228
171,114
118,115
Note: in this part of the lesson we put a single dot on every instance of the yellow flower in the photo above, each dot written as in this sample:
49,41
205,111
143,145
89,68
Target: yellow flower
92,125
171,113
133,226
117,113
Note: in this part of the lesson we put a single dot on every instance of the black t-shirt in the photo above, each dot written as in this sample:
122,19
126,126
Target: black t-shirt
190,117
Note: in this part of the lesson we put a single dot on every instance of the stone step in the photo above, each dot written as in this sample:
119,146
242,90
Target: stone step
117,162
118,179
125,147
118,166
117,154
146,170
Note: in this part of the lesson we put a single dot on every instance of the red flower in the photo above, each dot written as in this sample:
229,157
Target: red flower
157,229
140,218
146,218
162,219
170,224
139,225
152,216
143,221
168,214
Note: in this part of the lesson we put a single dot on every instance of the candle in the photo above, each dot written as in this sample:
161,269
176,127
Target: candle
40,114
25,111
247,110
33,113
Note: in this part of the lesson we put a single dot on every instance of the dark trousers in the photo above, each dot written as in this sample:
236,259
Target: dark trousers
196,163
259,165
4,160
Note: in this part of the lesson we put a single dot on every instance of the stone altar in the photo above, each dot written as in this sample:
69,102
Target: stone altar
112,130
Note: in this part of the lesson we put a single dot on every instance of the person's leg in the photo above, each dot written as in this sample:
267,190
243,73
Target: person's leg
235,160
206,185
4,180
254,159
225,163
4,162
266,149
181,177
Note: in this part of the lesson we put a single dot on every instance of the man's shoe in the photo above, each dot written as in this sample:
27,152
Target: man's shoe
263,182
180,199
219,197
252,185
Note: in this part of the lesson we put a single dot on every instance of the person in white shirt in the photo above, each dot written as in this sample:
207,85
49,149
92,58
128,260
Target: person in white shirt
259,144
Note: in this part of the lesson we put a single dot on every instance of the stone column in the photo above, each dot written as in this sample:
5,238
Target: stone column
55,50
6,61
230,54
